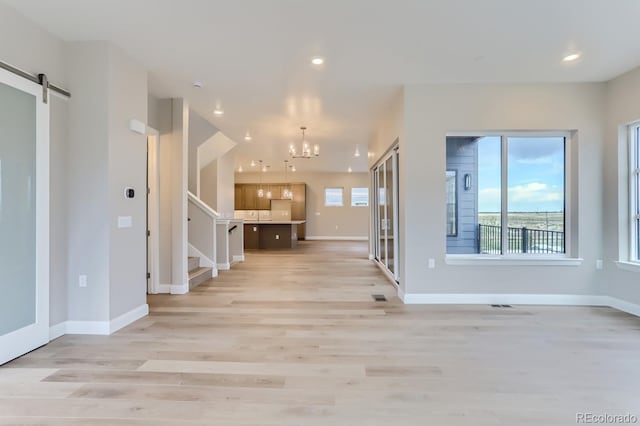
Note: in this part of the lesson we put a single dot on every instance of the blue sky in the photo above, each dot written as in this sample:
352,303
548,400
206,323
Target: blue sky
535,174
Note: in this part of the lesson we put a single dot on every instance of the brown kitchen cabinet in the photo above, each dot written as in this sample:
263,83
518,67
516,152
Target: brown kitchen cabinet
246,198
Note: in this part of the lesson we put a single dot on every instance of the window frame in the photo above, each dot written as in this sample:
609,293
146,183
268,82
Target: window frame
569,257
341,188
360,205
634,188
455,202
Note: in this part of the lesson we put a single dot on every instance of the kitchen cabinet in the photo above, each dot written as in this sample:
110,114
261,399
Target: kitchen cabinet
246,198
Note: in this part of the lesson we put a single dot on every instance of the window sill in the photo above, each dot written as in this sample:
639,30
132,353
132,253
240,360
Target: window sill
628,266
464,260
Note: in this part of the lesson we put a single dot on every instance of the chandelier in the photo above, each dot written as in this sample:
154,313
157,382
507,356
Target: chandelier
306,151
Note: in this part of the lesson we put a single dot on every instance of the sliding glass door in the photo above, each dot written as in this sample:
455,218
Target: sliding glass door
24,213
385,212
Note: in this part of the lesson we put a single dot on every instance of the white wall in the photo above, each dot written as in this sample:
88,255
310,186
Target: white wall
200,130
89,212
391,130
40,52
341,222
623,107
160,118
225,185
127,168
59,196
433,110
209,184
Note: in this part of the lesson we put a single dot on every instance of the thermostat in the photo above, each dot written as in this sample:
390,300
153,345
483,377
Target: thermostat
129,192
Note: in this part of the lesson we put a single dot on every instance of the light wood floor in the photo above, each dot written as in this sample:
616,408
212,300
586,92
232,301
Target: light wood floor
294,338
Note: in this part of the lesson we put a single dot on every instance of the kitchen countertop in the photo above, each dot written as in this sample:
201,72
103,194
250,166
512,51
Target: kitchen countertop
274,222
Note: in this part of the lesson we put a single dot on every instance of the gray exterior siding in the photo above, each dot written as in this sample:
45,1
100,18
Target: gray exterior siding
462,157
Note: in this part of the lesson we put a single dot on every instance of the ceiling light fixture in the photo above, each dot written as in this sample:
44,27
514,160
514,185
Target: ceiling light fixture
317,60
240,169
306,148
198,84
349,169
260,189
247,137
571,57
253,163
357,153
218,111
287,194
293,168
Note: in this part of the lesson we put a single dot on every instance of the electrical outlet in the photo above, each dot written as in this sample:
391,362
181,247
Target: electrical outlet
82,281
599,264
431,263
277,237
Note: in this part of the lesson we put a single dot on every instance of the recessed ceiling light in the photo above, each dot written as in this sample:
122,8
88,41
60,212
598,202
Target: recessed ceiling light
571,57
198,84
218,112
247,137
317,60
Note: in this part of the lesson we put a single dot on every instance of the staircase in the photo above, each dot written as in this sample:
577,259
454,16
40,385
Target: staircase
198,274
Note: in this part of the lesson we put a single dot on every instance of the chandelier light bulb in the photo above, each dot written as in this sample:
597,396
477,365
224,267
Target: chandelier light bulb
357,153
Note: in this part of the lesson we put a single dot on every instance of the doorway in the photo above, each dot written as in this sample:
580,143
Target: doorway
153,211
385,207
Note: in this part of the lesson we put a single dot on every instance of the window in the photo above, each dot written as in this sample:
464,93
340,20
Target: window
359,197
634,188
452,205
333,197
513,197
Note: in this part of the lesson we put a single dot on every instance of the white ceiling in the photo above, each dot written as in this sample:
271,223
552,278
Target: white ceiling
253,56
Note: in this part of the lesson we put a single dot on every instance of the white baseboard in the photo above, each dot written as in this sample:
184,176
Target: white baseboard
98,327
371,257
164,289
502,299
87,327
329,238
624,306
128,317
224,266
520,299
57,330
180,289
238,258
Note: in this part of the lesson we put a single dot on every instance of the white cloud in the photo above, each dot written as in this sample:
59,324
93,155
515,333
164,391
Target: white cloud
534,192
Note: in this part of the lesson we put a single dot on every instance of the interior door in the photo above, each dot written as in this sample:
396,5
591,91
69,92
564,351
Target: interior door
24,217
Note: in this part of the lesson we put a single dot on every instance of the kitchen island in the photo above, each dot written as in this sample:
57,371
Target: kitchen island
268,234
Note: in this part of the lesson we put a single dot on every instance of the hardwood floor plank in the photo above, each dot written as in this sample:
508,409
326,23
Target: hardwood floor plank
295,338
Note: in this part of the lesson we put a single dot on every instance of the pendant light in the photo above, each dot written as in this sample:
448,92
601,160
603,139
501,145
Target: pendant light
287,194
260,190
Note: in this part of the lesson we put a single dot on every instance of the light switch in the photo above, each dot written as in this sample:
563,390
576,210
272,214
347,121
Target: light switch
125,221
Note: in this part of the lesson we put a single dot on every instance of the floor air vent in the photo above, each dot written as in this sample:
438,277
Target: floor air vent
501,306
379,297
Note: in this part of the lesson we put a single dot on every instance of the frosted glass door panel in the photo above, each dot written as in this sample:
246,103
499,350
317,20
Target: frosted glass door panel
17,209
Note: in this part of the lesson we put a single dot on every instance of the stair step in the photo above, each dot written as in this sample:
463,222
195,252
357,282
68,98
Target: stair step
198,276
194,263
